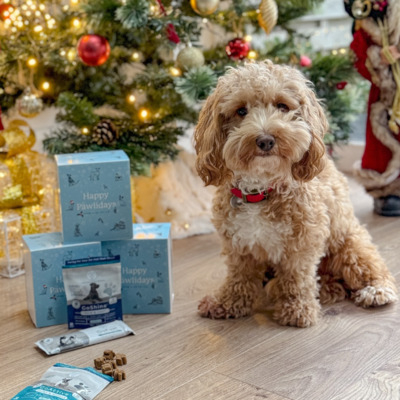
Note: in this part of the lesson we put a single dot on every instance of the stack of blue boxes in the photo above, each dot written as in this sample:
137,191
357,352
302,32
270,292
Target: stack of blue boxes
96,214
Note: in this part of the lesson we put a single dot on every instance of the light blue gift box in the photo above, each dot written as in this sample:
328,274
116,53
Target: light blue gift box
44,256
146,269
95,196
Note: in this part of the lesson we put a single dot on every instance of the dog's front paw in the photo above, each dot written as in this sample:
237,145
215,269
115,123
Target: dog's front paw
297,313
209,307
372,296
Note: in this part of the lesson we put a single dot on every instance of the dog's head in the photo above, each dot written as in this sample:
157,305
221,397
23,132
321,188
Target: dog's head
262,121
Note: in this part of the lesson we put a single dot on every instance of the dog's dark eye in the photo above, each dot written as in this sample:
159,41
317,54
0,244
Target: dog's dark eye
242,111
283,107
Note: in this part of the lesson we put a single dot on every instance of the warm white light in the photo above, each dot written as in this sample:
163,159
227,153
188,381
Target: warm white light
131,98
32,62
252,55
175,71
85,130
46,85
143,113
76,23
71,55
38,28
248,38
136,56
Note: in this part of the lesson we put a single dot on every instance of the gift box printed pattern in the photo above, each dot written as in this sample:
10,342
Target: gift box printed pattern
95,196
146,269
44,256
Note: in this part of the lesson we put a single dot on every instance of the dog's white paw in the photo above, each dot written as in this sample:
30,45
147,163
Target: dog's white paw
372,296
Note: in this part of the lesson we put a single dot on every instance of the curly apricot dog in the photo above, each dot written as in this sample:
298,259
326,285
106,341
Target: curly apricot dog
280,203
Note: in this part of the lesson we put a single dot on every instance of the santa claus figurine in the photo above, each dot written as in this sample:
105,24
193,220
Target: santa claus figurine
376,38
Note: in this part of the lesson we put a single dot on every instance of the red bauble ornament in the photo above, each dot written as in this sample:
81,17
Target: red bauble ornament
305,61
341,85
93,50
5,11
237,49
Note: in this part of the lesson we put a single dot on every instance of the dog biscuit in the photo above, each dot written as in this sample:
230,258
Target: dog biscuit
108,364
119,374
120,359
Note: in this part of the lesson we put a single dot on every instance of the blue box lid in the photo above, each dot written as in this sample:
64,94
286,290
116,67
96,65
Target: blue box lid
45,241
91,158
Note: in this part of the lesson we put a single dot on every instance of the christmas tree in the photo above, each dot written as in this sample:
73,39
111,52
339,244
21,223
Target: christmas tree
131,74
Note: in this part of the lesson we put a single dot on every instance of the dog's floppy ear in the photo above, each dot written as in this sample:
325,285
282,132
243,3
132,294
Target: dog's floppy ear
208,141
313,161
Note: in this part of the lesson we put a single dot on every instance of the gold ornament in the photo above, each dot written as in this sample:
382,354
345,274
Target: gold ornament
190,57
361,9
268,15
17,183
16,140
29,105
204,7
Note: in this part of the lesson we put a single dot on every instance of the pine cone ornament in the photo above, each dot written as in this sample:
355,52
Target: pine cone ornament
104,133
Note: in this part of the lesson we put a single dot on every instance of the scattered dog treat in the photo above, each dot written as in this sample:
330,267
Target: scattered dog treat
119,374
108,363
120,359
85,337
109,354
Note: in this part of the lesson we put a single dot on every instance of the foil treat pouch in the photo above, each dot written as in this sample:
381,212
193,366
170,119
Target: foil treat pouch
85,337
62,381
93,291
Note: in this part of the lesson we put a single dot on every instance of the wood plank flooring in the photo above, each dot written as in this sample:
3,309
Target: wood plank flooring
352,354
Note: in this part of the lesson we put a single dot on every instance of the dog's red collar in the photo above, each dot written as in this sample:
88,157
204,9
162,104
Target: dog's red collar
251,198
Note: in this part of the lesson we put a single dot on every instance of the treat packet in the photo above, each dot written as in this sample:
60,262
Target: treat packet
62,381
85,337
93,291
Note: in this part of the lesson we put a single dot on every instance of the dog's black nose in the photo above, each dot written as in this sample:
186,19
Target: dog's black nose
265,142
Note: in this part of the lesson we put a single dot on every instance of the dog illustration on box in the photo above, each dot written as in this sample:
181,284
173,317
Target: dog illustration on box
71,181
94,174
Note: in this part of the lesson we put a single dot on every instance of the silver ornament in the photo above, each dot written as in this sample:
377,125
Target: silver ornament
29,104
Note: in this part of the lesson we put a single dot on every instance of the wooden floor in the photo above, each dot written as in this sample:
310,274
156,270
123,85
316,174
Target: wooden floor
352,354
